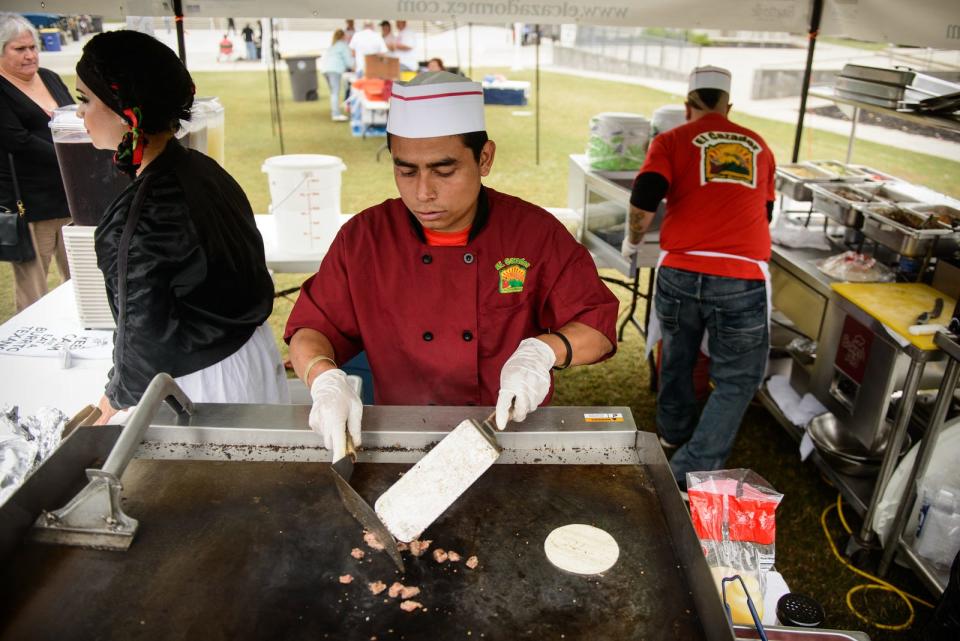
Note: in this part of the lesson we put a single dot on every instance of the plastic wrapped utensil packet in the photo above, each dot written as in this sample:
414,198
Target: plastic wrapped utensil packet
734,515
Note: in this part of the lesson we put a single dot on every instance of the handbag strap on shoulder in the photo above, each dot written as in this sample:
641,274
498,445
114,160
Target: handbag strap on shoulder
16,186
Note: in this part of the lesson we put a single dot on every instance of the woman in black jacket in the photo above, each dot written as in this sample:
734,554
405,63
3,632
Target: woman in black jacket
28,96
179,250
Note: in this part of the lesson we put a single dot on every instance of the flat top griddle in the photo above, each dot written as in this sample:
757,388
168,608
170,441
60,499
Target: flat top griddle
253,550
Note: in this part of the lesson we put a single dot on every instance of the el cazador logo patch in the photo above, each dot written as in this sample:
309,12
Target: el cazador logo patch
512,274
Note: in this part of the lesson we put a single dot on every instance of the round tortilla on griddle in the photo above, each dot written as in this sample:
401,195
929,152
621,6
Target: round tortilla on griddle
581,549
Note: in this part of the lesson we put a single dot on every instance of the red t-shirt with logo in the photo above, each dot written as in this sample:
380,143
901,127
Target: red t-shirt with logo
721,177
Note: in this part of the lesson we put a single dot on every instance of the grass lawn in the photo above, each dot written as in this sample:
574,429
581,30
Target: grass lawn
567,103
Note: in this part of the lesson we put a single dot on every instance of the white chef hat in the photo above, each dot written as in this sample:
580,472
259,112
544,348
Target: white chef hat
436,103
709,77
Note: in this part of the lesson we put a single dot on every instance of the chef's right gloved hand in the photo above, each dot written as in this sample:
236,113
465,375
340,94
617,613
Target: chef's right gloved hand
524,381
627,249
336,409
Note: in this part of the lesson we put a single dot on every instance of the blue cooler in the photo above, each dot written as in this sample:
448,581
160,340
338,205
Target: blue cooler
504,96
50,39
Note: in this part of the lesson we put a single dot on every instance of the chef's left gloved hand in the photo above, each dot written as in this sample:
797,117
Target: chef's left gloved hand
627,249
524,381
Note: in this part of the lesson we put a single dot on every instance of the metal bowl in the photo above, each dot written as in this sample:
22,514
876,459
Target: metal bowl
843,451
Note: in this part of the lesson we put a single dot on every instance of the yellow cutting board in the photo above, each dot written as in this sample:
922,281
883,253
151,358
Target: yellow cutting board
897,305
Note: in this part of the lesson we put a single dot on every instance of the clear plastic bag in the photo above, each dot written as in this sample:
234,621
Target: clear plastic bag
938,532
734,515
852,267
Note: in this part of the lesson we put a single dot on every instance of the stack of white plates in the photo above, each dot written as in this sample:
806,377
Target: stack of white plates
88,287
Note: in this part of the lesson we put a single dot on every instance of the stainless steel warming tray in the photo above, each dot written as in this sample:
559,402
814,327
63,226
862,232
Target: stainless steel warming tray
896,227
839,202
793,180
242,535
899,76
842,202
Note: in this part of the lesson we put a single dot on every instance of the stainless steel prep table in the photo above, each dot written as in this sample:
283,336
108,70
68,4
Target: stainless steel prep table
242,535
800,290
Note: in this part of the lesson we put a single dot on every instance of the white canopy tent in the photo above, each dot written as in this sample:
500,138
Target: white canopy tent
922,23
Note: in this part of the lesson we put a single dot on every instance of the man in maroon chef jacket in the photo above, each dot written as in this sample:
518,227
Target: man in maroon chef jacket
459,294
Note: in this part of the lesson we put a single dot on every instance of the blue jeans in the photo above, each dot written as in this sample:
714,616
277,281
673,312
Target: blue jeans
333,81
734,311
251,50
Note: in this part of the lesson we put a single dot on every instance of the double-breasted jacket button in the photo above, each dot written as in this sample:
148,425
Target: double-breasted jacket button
427,259
427,336
468,258
467,335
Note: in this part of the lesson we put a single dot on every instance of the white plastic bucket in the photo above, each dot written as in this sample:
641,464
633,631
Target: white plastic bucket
305,200
618,141
667,117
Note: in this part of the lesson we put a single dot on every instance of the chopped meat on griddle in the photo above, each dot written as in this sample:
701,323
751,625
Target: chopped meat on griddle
409,591
346,578
402,547
395,590
417,547
452,556
410,606
439,555
371,540
377,587
357,553
472,562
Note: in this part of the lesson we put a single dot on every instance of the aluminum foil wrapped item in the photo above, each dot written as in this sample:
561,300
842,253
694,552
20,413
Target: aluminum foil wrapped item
25,443
45,428
18,457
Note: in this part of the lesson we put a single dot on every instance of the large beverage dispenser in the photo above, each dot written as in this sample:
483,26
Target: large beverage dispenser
205,130
214,115
90,178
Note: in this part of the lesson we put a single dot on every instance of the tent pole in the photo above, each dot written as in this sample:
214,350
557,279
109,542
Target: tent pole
537,94
816,12
178,18
275,98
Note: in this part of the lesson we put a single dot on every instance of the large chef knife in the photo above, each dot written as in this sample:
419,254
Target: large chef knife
341,471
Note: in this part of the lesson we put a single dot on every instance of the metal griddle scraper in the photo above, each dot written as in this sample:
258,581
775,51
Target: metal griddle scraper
341,471
421,495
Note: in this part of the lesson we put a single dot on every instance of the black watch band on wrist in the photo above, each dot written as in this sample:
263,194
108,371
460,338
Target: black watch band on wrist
569,356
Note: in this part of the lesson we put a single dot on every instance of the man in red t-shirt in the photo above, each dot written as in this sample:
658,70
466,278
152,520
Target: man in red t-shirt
712,277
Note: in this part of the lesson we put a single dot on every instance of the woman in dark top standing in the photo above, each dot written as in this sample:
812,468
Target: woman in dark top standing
180,253
28,96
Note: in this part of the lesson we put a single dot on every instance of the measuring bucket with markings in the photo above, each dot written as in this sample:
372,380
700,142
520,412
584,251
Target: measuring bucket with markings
304,200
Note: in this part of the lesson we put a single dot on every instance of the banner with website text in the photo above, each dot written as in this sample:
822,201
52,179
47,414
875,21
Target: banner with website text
922,23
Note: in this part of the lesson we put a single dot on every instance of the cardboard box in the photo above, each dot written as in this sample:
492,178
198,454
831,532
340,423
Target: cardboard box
381,66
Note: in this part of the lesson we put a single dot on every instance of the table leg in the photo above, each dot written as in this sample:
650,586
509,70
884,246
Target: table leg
904,411
911,489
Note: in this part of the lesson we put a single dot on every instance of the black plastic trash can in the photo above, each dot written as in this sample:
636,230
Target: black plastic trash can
303,77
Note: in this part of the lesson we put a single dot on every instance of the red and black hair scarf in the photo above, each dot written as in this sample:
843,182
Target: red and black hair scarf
129,154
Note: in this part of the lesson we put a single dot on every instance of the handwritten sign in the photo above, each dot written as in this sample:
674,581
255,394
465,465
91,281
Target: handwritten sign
37,340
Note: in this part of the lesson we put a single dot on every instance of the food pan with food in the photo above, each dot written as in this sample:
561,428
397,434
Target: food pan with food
943,216
841,170
839,202
873,174
906,232
793,180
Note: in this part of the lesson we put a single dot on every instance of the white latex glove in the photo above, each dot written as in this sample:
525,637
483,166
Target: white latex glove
627,249
524,381
336,409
